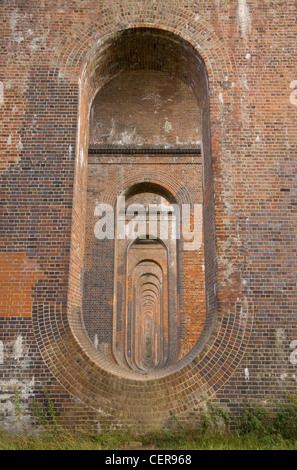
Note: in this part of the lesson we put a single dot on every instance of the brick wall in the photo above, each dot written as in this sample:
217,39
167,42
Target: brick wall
239,61
105,275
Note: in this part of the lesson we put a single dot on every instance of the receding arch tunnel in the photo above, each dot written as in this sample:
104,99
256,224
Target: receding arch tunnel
143,117
146,259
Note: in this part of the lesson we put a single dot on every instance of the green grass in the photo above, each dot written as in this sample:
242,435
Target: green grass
255,429
217,441
63,440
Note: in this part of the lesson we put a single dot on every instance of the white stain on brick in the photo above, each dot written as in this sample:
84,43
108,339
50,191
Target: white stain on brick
13,19
18,348
1,353
280,337
16,420
96,342
18,381
293,355
293,96
244,18
1,93
28,388
168,126
246,374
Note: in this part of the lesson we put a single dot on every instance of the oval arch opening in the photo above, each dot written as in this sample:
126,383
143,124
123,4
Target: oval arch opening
144,105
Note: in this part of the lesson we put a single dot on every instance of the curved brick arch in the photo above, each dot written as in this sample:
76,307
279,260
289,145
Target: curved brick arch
168,184
127,261
71,357
145,301
76,48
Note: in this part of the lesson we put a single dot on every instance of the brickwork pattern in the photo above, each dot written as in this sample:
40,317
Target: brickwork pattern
55,57
186,287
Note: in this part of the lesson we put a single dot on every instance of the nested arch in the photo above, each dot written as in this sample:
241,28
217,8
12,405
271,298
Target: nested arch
147,259
95,57
184,62
154,76
148,347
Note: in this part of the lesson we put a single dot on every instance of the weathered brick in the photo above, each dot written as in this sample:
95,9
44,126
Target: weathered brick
230,70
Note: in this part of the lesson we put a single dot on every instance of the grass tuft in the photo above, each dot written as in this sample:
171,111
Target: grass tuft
256,429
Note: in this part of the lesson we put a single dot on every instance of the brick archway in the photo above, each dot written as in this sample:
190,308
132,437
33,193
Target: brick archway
69,355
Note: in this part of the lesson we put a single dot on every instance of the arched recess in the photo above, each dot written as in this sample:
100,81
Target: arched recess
62,340
105,392
152,250
163,52
146,344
